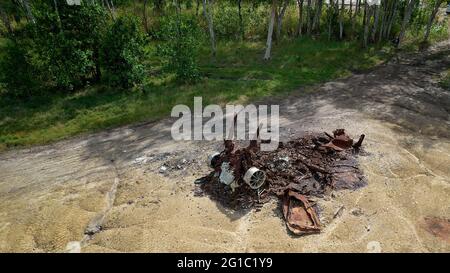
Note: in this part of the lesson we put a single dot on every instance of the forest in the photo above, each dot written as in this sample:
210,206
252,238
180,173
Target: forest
74,66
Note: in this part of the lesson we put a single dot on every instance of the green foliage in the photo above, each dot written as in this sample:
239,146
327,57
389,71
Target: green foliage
66,43
180,45
122,52
237,75
227,23
17,75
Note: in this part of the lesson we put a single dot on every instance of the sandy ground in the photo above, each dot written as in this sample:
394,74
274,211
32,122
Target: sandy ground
50,195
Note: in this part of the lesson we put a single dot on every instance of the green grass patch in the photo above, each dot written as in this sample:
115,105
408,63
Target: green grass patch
238,74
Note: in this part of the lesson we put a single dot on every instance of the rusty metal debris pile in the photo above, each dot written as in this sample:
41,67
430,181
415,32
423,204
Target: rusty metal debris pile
311,165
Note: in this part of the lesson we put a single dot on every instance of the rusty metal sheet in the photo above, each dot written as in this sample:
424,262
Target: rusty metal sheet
300,216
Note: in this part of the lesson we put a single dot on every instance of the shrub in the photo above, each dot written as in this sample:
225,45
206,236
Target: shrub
226,21
180,45
67,43
17,75
123,51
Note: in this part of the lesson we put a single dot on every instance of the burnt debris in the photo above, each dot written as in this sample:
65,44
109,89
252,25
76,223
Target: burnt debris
312,165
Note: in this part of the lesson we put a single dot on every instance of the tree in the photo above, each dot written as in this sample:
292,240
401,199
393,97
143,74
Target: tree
179,47
17,73
394,14
122,52
27,7
270,30
384,5
5,20
437,4
367,17
354,17
207,12
69,52
375,22
158,6
110,5
341,20
241,23
317,15
410,4
144,11
309,17
280,18
300,17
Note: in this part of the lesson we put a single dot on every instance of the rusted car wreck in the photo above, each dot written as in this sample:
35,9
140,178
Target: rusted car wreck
311,165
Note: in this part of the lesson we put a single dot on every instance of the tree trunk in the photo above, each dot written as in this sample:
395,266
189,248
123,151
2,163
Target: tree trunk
110,9
430,21
270,30
341,21
308,17
241,23
367,17
207,12
300,17
383,18
318,14
409,9
392,19
6,21
280,19
350,11
145,16
197,7
331,11
178,7
28,12
354,17
375,22
58,19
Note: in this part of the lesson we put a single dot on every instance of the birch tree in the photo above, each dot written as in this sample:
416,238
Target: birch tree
207,12
280,19
376,19
341,20
270,30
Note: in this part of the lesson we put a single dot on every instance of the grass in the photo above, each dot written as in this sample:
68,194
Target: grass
445,80
237,75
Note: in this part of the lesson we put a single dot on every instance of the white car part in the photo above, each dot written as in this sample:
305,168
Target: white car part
226,174
212,158
254,177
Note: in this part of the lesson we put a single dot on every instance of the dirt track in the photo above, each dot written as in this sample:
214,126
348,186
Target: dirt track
50,195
